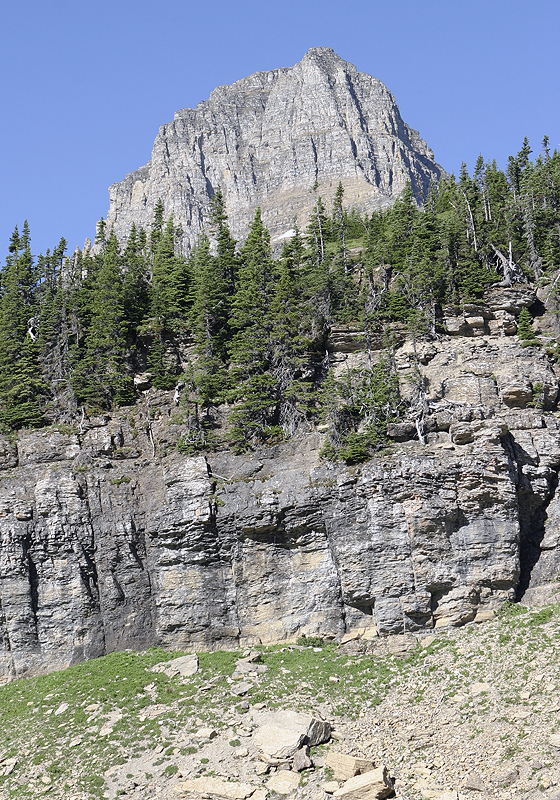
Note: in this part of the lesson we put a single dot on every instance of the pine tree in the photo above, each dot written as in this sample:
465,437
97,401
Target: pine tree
339,226
225,244
209,319
292,335
525,330
253,388
102,377
136,297
22,390
54,330
169,300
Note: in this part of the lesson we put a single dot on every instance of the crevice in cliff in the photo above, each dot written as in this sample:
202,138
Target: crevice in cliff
536,488
90,578
342,600
33,579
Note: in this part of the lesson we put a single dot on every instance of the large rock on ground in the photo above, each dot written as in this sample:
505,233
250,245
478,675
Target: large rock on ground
282,733
344,766
374,785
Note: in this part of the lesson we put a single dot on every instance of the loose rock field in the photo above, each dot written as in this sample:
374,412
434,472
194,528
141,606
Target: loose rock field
463,713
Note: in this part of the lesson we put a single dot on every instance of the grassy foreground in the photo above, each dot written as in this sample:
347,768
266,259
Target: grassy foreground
61,734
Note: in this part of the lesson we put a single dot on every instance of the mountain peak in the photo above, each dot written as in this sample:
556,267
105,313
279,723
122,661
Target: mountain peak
273,140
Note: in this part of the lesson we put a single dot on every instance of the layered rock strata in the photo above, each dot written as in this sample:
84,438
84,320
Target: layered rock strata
110,539
277,139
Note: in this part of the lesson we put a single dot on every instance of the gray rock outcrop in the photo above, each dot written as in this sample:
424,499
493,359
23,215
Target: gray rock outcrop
268,140
106,545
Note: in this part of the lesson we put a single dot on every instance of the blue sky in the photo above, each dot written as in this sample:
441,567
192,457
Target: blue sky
85,85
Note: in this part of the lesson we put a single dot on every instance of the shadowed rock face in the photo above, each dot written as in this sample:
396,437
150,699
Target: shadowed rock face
90,564
267,140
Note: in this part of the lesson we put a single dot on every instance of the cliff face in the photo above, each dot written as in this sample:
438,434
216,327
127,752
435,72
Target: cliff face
110,539
267,140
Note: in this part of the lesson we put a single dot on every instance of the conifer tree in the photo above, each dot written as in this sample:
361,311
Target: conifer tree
169,300
102,377
339,226
253,387
524,327
53,340
209,318
225,244
292,335
136,280
22,390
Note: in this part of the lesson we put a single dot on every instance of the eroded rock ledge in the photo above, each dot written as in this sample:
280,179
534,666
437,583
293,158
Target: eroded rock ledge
110,539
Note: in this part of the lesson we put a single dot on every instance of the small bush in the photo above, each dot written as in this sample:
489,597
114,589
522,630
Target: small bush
122,479
310,641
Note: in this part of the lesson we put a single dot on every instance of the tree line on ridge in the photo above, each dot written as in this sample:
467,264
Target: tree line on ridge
237,325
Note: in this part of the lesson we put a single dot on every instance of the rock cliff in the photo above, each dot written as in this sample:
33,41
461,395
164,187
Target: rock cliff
268,140
110,539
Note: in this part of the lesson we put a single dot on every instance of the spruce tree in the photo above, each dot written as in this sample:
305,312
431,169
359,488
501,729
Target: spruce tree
209,319
253,388
292,336
54,335
225,243
525,328
22,390
102,376
136,280
169,301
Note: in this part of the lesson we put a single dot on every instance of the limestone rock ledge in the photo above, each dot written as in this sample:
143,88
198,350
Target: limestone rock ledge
90,563
105,546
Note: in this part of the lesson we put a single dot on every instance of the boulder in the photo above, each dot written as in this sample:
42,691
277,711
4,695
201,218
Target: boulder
345,767
401,431
302,759
183,666
517,393
242,688
283,782
461,433
373,785
282,733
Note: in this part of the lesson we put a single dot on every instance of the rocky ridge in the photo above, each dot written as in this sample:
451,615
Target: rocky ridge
271,139
109,539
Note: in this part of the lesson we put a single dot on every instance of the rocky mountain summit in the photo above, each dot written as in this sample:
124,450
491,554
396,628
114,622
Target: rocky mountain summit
111,539
270,140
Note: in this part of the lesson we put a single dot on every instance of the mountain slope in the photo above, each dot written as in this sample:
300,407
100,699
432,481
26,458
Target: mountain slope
275,139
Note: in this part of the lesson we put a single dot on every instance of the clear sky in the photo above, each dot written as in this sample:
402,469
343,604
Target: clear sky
85,85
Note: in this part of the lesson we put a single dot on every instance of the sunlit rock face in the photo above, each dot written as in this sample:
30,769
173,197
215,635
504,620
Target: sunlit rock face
276,140
112,539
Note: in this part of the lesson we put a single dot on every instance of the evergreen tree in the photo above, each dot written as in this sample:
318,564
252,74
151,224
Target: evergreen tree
169,300
102,377
136,297
525,328
293,335
22,390
53,340
225,244
339,227
209,319
253,388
